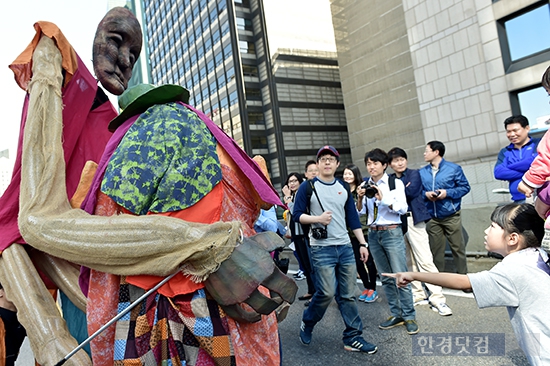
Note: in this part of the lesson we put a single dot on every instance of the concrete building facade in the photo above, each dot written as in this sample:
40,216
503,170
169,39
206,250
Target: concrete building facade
413,71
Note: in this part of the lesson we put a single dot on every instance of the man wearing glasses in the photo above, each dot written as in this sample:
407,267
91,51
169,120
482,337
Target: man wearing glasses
330,210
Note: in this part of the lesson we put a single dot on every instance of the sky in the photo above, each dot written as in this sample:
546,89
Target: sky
305,27
77,19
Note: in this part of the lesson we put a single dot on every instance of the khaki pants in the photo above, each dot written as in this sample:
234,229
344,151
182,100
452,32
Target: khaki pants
420,259
449,228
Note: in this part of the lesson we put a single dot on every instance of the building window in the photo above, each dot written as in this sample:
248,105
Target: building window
221,81
227,51
210,65
244,24
249,70
218,58
533,104
245,3
256,118
253,94
247,47
225,28
207,44
258,142
213,15
202,72
233,98
213,87
520,37
230,74
224,103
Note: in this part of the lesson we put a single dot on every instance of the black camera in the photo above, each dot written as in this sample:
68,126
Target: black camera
436,193
370,190
319,233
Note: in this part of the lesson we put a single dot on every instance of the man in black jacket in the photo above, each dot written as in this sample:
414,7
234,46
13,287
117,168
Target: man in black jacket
419,255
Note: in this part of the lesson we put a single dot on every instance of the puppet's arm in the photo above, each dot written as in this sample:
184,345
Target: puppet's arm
124,244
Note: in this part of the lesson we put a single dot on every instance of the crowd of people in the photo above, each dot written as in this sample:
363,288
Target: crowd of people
398,226
360,227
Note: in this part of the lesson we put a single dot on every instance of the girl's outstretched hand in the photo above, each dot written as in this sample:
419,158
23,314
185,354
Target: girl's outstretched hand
402,279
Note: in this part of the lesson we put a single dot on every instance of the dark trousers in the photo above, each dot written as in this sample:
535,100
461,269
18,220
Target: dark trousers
367,271
302,250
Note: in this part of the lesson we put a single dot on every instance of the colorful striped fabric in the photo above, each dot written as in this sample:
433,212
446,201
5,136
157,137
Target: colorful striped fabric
185,330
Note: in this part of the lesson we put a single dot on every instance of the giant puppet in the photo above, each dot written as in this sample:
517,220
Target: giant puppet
149,231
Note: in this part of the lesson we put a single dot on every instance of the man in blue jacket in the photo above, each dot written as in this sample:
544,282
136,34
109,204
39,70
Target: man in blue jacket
514,160
443,186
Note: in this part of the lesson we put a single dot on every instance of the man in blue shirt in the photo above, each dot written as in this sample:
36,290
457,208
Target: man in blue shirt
514,160
326,204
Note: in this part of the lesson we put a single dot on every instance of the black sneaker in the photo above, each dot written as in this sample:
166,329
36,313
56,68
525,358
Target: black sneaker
358,344
412,327
393,321
305,334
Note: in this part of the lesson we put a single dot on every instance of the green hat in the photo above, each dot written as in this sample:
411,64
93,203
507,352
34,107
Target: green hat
138,98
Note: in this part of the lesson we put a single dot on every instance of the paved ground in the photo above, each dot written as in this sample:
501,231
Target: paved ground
395,345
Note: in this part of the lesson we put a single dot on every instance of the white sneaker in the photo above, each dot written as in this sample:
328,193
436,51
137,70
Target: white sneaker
443,309
299,276
421,302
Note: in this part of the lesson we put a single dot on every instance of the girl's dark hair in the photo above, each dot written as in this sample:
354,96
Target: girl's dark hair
357,178
522,219
294,174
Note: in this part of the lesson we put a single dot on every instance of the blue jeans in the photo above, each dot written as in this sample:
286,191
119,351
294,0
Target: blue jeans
388,250
335,277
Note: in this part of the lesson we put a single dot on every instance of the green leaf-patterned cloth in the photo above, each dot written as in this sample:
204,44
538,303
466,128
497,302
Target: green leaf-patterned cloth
167,161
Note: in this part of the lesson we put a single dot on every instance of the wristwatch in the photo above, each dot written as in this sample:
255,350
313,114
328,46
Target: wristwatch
288,198
364,245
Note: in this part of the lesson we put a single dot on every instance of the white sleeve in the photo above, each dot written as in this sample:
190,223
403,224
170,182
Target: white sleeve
364,208
396,198
494,288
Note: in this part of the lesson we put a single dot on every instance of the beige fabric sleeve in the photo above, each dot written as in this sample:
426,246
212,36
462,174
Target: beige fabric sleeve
123,245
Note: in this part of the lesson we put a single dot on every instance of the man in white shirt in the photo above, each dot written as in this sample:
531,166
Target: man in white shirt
384,202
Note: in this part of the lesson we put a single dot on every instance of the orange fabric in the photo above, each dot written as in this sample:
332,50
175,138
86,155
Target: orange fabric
206,211
254,344
22,66
86,178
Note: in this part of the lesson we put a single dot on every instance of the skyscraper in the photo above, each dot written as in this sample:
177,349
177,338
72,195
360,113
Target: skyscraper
218,49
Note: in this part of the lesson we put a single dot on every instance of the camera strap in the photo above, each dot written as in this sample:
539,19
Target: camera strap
316,195
374,214
375,210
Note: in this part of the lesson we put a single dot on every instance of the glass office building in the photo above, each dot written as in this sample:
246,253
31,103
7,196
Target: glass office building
218,50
